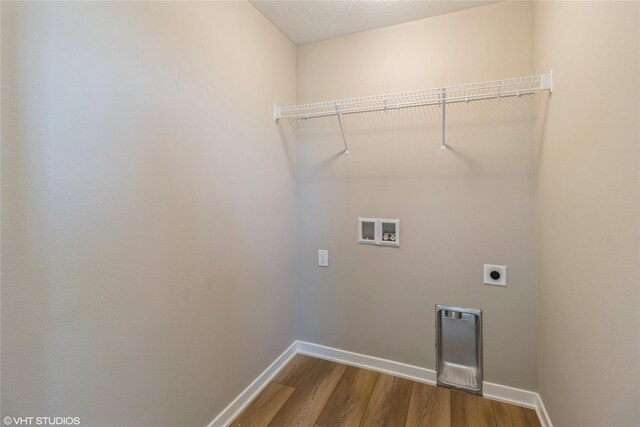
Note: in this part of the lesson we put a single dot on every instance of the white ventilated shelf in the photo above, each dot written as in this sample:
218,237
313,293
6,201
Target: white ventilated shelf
497,89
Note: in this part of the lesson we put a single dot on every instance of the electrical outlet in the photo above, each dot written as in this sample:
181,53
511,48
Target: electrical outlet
495,275
323,258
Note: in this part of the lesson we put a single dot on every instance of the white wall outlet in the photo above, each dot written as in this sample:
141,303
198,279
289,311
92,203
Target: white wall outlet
323,258
495,275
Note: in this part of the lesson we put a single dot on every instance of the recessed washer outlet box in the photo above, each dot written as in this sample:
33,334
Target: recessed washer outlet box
380,232
495,275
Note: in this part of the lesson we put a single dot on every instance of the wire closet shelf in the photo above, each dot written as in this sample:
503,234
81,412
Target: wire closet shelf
497,89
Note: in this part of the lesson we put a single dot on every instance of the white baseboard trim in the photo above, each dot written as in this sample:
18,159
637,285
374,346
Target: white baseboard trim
493,391
234,409
377,364
506,394
543,415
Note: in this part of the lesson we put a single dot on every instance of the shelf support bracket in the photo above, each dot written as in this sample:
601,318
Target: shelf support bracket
344,139
546,81
443,96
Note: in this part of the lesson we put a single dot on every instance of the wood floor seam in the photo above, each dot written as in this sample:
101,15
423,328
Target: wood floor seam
406,411
493,409
369,399
276,414
330,396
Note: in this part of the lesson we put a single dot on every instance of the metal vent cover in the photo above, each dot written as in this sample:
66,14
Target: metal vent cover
459,348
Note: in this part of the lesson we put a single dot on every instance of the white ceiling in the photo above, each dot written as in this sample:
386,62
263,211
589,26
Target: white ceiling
310,21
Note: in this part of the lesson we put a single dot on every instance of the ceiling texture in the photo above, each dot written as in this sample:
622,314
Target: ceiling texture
310,21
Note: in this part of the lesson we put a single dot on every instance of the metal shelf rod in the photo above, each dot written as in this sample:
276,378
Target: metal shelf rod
443,96
305,116
344,138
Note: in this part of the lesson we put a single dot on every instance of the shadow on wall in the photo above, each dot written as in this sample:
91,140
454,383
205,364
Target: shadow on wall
543,102
403,136
287,129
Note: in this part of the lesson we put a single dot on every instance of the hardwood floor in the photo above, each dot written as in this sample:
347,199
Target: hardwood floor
349,400
318,393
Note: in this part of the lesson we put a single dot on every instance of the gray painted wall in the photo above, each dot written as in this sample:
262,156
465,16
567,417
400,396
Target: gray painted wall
148,210
588,197
147,256
459,209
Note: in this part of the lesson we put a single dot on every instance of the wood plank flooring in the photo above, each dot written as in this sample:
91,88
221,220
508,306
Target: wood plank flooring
318,393
349,400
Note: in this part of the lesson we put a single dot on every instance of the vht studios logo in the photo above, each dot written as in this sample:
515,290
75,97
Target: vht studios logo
41,421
